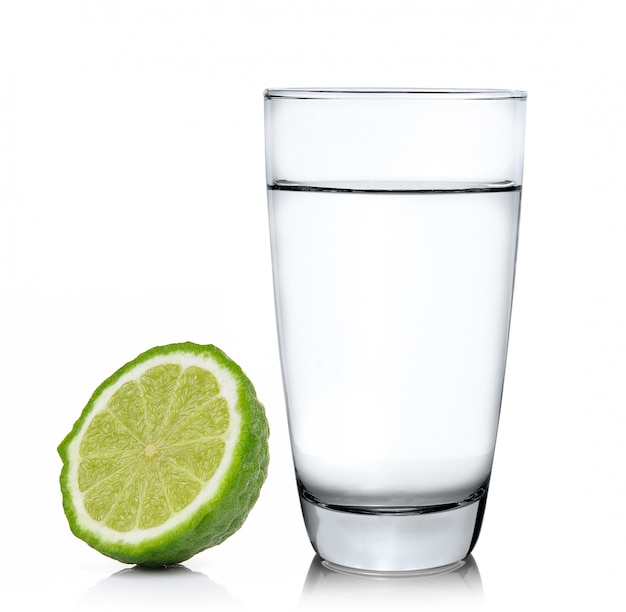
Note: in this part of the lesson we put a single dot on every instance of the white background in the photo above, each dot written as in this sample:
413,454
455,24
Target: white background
133,213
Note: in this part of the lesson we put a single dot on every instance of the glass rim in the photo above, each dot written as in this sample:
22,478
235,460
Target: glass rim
355,93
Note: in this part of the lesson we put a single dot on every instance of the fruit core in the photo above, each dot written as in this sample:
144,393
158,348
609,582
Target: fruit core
151,450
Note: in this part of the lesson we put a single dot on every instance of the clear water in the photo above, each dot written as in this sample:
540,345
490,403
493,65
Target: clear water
393,306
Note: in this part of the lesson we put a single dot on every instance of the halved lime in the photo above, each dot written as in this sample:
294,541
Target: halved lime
167,458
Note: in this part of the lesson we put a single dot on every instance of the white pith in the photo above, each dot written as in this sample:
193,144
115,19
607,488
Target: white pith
228,390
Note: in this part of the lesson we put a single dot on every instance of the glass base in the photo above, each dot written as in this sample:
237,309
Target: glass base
374,540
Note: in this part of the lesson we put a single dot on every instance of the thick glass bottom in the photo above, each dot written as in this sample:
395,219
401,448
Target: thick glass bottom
393,540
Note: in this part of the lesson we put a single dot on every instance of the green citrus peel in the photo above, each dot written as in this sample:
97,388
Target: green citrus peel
167,458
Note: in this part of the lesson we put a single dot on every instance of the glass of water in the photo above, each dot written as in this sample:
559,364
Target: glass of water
393,221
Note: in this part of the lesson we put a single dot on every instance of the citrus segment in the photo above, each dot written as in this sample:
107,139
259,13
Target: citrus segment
167,458
196,460
123,514
107,435
99,499
155,509
94,470
126,406
158,385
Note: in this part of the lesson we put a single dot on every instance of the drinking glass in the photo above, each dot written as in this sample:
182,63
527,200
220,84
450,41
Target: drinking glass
393,223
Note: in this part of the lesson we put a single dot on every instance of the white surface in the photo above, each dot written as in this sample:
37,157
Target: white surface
133,213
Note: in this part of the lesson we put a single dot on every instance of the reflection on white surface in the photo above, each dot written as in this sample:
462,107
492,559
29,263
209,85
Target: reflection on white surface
175,587
455,587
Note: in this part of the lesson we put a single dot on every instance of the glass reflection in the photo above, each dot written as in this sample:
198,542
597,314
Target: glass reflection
454,587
